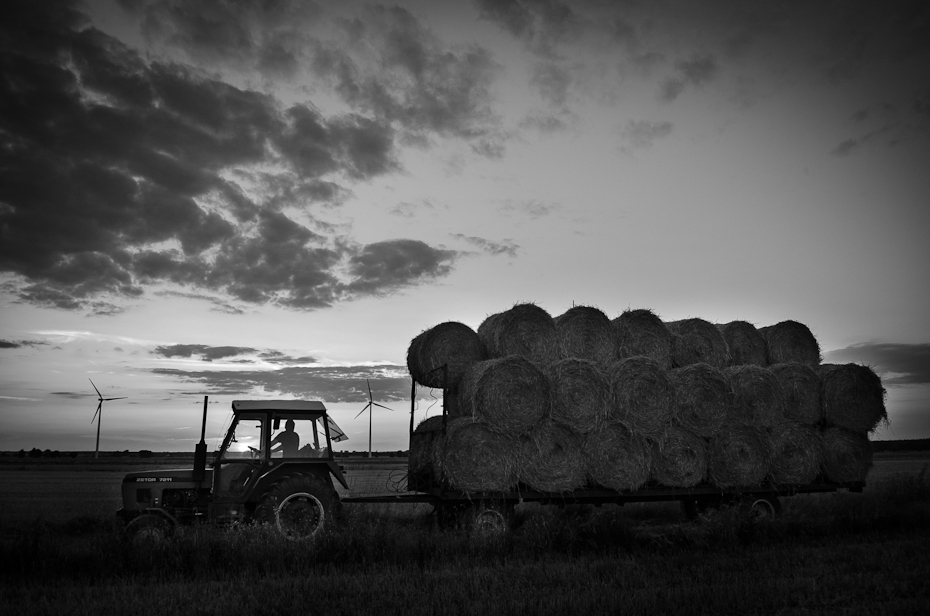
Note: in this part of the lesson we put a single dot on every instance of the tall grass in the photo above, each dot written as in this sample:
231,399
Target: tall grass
857,553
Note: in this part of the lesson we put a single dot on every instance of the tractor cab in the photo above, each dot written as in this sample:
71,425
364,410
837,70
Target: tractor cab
266,436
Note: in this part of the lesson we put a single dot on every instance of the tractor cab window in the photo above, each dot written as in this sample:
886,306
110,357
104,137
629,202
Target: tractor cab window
245,441
296,435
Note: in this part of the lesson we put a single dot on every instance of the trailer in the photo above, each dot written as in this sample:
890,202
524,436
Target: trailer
495,510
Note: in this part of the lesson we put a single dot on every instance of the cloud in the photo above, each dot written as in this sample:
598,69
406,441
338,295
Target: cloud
381,60
505,246
206,353
9,344
384,267
119,172
898,364
877,120
642,134
542,25
531,208
331,384
696,71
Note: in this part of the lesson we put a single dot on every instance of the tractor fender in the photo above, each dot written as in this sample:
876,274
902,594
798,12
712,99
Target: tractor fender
277,472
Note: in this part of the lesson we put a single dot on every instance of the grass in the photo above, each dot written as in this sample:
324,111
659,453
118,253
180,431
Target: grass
847,553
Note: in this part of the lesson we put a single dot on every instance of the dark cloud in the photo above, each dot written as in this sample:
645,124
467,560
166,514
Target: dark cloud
118,172
696,71
507,247
381,60
877,121
206,353
9,344
387,266
897,364
542,25
277,357
552,81
331,384
532,208
642,134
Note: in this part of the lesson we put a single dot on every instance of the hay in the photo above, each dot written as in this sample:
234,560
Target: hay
475,458
616,457
641,394
454,344
510,393
790,341
847,455
802,388
739,456
551,459
422,442
679,459
745,343
586,333
641,332
702,398
696,341
580,394
798,453
758,398
525,330
853,397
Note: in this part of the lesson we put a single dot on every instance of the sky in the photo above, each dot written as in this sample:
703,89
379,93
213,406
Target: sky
270,200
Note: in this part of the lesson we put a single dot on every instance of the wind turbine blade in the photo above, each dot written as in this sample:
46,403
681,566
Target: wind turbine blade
95,388
382,406
369,389
363,410
99,406
122,398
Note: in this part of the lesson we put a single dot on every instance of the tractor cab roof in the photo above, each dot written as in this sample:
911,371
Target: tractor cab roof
299,406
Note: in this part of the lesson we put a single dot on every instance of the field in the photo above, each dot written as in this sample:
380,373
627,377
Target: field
61,553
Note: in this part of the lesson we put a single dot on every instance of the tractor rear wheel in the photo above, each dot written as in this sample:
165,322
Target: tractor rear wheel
299,506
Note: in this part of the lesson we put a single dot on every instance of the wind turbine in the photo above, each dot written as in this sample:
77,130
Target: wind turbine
100,413
371,411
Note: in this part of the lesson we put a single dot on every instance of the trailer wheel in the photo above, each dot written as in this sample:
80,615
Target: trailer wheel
491,518
299,506
763,508
148,529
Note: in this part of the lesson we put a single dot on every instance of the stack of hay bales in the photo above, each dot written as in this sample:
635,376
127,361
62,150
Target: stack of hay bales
555,404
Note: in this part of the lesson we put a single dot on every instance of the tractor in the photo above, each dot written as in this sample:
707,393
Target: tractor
275,466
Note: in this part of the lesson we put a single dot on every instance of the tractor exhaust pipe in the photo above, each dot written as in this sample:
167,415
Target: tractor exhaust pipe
200,450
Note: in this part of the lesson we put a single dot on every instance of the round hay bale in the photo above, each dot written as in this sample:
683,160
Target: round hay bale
745,343
757,396
525,330
696,341
509,393
422,442
790,341
702,398
616,457
679,459
452,344
580,394
475,458
853,397
642,332
641,394
586,333
798,453
739,456
802,388
847,455
551,459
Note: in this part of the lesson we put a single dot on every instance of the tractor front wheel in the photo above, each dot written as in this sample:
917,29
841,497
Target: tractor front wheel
148,529
298,506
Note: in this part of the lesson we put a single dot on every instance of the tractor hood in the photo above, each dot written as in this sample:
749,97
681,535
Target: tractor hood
185,475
